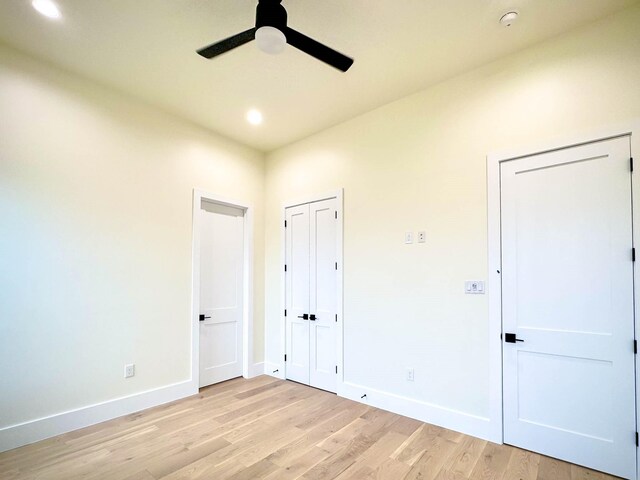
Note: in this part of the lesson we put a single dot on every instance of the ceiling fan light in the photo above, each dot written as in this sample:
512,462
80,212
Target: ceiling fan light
270,40
46,8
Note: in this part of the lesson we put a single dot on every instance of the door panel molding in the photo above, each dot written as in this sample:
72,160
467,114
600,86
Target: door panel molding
494,288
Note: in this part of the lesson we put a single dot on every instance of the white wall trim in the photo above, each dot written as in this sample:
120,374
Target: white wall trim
256,370
339,196
426,412
247,307
635,199
274,370
494,288
32,431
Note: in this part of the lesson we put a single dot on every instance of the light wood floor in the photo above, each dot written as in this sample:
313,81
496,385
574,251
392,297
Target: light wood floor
270,429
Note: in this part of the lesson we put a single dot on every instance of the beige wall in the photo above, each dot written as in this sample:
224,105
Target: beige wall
419,164
95,215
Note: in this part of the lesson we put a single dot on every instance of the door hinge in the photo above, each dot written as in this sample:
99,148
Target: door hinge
336,317
285,267
285,224
285,312
336,212
637,440
635,347
336,368
285,357
633,254
631,164
336,265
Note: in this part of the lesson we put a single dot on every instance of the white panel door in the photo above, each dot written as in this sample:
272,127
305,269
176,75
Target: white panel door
221,294
567,279
322,321
297,263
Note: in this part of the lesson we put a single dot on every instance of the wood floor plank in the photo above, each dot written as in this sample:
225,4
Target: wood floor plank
374,456
465,456
436,454
445,474
265,428
390,469
260,469
340,460
416,445
523,465
143,475
553,469
284,456
581,473
493,463
171,463
300,465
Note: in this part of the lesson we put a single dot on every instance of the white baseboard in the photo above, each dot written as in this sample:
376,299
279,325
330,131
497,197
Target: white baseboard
256,369
274,369
35,430
466,423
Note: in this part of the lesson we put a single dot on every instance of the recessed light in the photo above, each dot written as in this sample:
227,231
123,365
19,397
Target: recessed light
254,117
46,8
508,19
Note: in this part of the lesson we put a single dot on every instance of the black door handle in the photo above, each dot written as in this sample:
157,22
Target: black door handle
312,317
202,318
511,338
304,316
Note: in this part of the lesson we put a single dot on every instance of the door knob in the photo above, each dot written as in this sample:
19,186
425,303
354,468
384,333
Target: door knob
511,338
304,316
203,318
312,317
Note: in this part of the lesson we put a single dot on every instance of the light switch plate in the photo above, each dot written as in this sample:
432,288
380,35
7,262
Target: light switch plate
474,287
129,370
408,237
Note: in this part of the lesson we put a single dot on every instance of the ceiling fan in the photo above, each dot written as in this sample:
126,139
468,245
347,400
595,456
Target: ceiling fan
272,34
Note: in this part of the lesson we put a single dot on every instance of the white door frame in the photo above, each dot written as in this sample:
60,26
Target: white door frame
247,286
494,288
339,196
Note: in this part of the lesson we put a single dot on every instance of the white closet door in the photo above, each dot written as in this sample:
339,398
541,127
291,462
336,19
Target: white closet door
221,295
297,293
567,279
322,286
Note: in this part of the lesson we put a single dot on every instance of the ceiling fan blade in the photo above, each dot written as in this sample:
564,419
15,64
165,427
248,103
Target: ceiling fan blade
318,50
227,44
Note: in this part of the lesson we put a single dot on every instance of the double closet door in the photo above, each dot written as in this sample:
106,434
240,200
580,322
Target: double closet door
310,294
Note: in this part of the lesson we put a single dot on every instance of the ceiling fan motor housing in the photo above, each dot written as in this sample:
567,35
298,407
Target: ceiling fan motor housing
270,13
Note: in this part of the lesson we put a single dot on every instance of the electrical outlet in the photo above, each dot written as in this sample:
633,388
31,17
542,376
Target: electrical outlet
422,237
410,374
129,370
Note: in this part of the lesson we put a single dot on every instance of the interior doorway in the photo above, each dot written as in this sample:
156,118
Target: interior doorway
222,279
567,271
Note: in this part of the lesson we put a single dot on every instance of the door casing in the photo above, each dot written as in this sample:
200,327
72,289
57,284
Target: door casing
247,288
494,289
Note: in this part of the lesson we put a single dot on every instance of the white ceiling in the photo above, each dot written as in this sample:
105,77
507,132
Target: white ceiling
147,48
